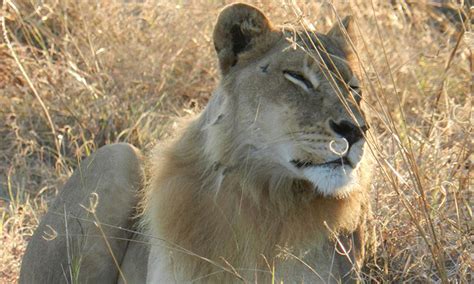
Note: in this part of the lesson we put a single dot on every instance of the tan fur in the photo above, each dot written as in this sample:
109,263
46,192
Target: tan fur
226,203
220,207
68,247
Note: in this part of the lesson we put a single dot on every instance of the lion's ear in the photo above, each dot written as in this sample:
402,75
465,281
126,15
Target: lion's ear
343,33
240,29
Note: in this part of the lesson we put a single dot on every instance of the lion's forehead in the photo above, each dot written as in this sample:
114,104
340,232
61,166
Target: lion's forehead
318,50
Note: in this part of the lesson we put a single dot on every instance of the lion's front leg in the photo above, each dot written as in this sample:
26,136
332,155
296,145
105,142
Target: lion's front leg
351,251
74,244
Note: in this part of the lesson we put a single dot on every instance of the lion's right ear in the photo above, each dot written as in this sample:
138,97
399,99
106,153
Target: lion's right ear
240,29
343,33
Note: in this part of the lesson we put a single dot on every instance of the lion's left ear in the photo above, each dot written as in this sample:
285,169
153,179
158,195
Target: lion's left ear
343,33
241,33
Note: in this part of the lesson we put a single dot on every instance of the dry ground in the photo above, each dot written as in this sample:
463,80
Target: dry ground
76,75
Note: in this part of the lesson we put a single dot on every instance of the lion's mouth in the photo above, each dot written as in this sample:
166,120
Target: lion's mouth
302,164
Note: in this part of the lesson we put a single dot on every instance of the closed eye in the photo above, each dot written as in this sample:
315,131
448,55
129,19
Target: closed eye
354,84
356,92
355,88
298,79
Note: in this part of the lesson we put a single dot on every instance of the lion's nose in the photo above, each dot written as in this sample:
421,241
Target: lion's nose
348,130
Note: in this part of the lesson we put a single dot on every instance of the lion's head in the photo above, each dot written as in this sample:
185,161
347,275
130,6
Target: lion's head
288,106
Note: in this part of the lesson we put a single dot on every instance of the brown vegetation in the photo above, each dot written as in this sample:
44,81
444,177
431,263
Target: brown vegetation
76,75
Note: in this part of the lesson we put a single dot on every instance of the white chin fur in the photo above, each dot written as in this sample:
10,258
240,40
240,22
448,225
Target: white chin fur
334,181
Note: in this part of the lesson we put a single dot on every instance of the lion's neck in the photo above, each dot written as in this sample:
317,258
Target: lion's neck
211,224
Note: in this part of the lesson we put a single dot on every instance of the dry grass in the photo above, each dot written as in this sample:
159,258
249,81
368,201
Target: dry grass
125,70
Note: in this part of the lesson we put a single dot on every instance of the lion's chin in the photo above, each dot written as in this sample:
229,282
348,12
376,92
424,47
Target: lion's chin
331,181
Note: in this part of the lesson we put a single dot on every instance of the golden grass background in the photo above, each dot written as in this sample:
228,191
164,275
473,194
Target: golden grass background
76,75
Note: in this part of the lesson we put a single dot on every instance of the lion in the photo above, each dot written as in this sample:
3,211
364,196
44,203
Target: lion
270,182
